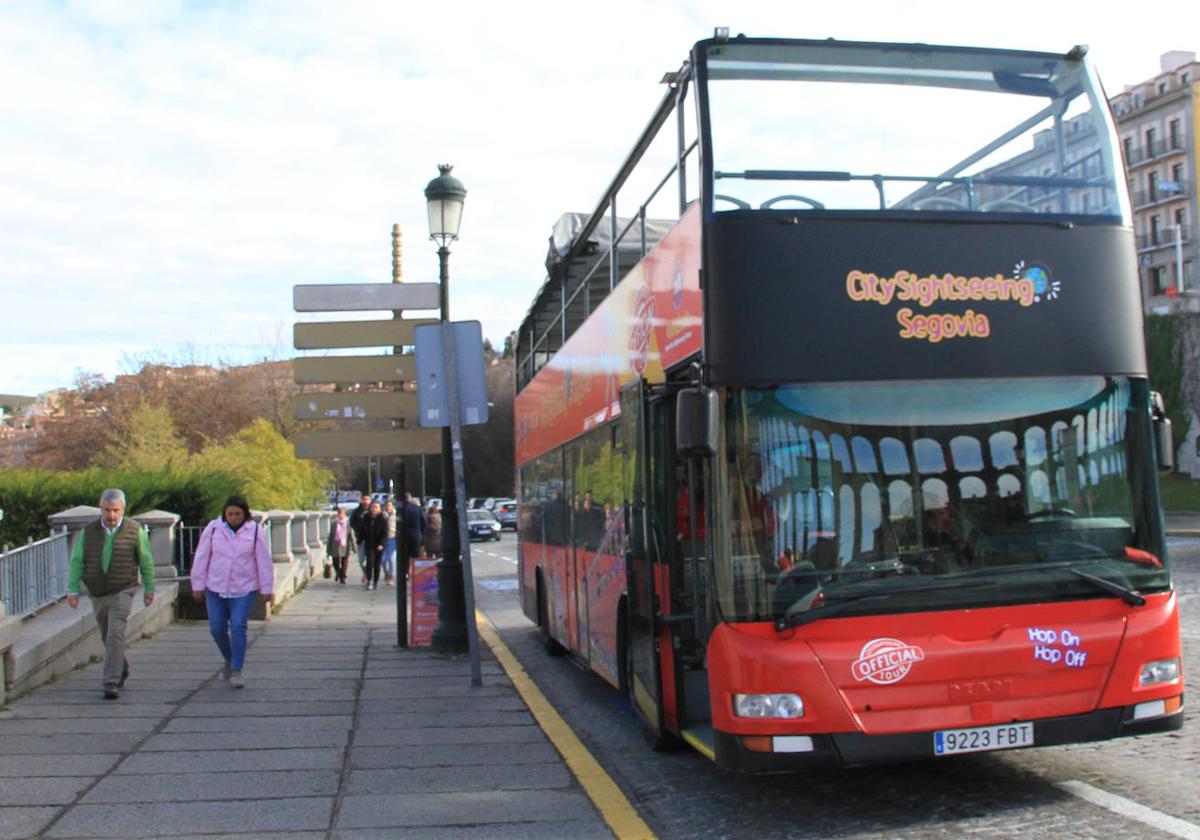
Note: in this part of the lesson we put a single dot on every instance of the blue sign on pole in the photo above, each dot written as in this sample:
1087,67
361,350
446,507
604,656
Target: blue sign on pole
432,395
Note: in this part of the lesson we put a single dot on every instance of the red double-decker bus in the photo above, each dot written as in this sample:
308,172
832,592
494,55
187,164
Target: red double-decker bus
834,433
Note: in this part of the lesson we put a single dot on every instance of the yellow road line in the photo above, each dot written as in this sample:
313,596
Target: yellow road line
620,815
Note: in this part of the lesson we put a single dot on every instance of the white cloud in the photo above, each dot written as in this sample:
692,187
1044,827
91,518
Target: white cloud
170,170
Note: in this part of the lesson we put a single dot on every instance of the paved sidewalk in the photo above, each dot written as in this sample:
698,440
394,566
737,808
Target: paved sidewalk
1182,524
338,734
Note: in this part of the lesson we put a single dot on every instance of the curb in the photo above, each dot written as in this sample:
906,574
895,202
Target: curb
619,814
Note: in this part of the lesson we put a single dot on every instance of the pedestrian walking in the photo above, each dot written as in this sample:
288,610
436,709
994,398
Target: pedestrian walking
389,548
414,526
340,544
358,520
375,536
433,532
107,557
232,566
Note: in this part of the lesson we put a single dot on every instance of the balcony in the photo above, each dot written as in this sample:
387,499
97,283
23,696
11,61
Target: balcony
1163,191
1159,148
1163,238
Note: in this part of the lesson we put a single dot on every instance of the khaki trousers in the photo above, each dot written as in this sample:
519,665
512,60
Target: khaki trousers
112,614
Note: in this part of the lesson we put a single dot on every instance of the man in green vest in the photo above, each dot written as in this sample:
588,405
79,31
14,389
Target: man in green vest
107,556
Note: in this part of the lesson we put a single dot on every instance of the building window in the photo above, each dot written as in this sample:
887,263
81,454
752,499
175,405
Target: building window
1162,87
1152,185
1128,144
1180,216
1151,138
1157,278
1155,224
1189,278
1174,132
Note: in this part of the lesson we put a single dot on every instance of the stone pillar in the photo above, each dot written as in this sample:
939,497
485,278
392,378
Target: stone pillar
74,520
299,529
162,540
316,538
281,543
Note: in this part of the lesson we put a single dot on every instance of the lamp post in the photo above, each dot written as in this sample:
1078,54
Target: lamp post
444,197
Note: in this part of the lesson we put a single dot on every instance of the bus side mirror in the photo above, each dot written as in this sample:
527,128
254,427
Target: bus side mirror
697,415
1164,443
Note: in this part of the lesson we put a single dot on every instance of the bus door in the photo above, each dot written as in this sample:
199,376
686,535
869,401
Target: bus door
653,701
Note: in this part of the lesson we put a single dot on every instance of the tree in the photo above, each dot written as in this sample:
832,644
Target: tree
144,440
267,465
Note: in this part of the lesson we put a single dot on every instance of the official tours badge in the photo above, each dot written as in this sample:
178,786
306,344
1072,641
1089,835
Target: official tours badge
885,661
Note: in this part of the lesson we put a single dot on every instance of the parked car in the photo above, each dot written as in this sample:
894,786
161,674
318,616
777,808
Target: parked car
482,525
506,513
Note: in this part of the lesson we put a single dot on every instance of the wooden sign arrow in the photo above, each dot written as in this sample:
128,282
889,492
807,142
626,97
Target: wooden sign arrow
313,370
337,334
356,406
361,297
368,442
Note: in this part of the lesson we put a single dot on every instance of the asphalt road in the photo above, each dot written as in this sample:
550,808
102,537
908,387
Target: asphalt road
1130,788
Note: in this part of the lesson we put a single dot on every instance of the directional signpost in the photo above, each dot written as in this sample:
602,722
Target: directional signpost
322,336
356,405
359,370
367,443
364,297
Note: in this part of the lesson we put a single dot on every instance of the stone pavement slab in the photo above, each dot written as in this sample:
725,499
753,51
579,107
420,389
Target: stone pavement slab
166,787
22,823
173,819
338,734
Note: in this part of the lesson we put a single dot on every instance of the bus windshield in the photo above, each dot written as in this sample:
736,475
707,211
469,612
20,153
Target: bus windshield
905,496
807,126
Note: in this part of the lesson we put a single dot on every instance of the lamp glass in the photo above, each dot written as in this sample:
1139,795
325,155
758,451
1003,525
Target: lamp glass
445,214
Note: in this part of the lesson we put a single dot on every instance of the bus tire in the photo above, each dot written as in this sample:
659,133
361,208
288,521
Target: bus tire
550,644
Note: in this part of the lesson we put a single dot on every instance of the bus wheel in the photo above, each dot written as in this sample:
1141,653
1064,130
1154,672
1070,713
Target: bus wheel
548,642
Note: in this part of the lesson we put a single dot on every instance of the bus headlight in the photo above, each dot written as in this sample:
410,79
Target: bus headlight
1162,671
768,705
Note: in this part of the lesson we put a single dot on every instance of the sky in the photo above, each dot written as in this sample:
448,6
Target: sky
169,171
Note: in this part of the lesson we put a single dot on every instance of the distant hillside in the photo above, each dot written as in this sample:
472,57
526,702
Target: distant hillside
16,402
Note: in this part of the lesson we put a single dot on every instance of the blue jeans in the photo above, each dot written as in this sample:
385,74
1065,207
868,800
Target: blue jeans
227,619
389,557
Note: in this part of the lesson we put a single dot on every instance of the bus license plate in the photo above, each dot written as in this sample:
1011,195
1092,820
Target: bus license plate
981,738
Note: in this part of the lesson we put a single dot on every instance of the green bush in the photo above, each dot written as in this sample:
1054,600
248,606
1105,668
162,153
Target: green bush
1164,356
29,497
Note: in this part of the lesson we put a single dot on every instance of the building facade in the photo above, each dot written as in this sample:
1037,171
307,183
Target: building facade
1158,121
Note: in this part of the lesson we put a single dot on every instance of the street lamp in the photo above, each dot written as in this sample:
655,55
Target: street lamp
444,196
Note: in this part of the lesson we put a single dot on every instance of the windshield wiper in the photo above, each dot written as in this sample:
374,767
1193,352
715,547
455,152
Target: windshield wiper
1127,595
795,617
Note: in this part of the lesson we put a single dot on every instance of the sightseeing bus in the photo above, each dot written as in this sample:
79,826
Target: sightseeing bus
835,439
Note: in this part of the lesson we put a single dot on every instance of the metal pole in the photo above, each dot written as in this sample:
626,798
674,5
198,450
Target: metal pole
468,585
450,634
400,579
1179,258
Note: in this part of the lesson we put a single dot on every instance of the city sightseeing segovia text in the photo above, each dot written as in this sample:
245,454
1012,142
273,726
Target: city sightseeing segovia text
904,286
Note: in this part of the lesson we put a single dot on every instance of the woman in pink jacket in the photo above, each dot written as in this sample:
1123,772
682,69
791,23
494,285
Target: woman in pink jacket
232,566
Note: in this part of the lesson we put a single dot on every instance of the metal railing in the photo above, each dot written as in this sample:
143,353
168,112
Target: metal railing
34,575
187,537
